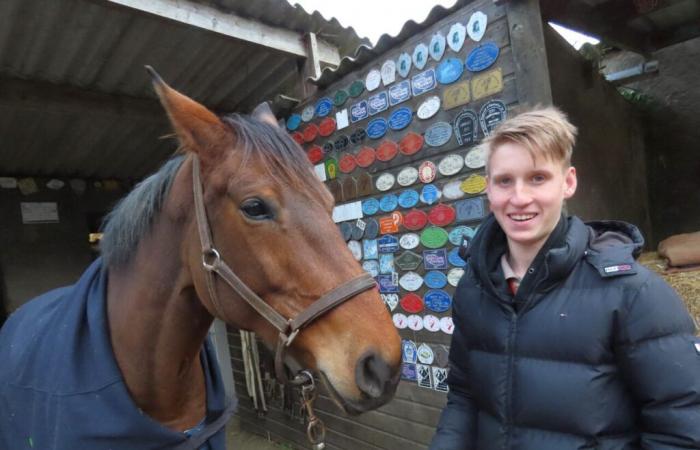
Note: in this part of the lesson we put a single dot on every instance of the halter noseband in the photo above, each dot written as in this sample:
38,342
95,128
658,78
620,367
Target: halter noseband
288,328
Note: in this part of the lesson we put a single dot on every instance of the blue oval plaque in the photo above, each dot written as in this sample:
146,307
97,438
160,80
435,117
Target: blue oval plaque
376,128
449,71
454,258
358,111
438,134
399,92
324,107
388,244
399,119
388,203
293,122
437,300
378,103
430,194
482,57
435,279
408,198
370,206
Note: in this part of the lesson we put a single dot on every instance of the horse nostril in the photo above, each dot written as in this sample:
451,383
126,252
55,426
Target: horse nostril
373,374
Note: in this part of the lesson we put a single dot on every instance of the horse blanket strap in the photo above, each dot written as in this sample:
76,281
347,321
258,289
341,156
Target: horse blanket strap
209,430
288,328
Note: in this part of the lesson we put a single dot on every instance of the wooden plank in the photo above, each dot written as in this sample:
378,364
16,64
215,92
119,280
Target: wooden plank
227,24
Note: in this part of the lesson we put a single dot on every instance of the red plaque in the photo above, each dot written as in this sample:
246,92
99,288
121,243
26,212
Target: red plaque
441,215
411,143
415,220
315,154
427,172
310,132
326,127
412,303
347,163
365,157
387,150
298,137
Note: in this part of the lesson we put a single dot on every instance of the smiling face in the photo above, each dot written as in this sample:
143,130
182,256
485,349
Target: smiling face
527,193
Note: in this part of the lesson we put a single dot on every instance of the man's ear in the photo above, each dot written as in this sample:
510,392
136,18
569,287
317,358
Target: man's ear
570,182
263,113
199,130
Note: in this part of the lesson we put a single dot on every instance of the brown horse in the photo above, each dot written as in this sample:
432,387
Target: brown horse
270,219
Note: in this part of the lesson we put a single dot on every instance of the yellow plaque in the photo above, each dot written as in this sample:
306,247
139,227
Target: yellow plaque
487,83
474,184
456,95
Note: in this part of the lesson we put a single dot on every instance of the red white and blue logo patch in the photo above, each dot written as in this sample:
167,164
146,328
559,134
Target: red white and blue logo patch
618,268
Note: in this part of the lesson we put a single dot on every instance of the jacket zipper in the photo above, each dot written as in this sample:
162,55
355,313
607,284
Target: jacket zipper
513,326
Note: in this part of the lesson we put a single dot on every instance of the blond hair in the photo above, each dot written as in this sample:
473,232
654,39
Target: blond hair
544,132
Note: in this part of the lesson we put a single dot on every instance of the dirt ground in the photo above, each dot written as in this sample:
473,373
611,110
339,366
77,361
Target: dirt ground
239,439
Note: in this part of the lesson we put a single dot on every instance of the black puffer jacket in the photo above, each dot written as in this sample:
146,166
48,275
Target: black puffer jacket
600,354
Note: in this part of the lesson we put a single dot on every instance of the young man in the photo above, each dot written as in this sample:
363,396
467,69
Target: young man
562,341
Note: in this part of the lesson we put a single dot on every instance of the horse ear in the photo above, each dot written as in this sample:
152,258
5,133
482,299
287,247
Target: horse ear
198,129
264,113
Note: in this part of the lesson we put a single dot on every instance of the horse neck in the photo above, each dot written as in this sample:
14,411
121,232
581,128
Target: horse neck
157,325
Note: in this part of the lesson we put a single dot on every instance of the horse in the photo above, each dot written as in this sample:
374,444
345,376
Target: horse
235,226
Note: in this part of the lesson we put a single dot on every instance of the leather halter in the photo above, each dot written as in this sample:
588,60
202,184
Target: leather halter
288,328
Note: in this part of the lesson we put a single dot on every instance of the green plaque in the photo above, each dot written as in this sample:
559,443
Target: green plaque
340,97
356,88
408,260
433,237
331,168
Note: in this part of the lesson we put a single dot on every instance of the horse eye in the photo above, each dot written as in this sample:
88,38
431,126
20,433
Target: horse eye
256,209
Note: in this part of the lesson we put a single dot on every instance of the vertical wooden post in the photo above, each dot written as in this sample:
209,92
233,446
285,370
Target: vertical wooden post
312,67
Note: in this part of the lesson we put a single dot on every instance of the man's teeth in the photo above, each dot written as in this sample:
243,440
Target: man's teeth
521,217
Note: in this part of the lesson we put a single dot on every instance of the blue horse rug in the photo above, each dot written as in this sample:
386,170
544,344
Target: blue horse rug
61,388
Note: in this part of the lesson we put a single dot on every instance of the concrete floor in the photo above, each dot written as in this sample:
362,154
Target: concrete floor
239,439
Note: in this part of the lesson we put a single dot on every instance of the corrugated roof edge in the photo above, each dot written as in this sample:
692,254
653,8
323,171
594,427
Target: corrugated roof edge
365,53
333,21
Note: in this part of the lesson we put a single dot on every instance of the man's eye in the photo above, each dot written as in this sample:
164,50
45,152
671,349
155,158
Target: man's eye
504,181
256,209
539,179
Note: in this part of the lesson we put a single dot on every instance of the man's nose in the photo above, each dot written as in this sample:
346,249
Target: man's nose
521,194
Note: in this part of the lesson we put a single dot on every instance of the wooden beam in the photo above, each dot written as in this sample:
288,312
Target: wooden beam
227,24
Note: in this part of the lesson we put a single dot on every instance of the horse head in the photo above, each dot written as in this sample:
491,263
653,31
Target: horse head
270,219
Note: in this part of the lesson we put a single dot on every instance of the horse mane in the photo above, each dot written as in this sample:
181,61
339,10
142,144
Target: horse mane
133,216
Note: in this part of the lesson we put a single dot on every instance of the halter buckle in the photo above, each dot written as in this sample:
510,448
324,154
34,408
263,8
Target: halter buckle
210,258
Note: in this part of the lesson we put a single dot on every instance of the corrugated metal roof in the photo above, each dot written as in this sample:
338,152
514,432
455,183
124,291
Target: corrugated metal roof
76,101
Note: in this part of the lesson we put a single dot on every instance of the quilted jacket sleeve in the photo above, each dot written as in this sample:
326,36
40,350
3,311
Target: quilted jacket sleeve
660,359
457,427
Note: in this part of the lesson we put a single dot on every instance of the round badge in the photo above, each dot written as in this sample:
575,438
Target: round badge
410,281
341,143
376,128
428,108
371,228
412,303
404,64
454,258
474,184
427,172
326,127
373,80
357,233
431,323
400,321
310,132
388,203
400,118
293,122
420,56
456,36
347,163
409,240
430,194
438,134
385,182
390,300
298,137
425,354
435,279
340,97
459,233
358,136
411,144
454,275
308,113
356,250
476,157
407,176
370,206
356,88
453,190
345,230
437,300
388,72
387,150
315,154
365,157
449,71
415,322
446,325
450,165
415,220
328,147
433,237
371,267
324,107
408,198
441,215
